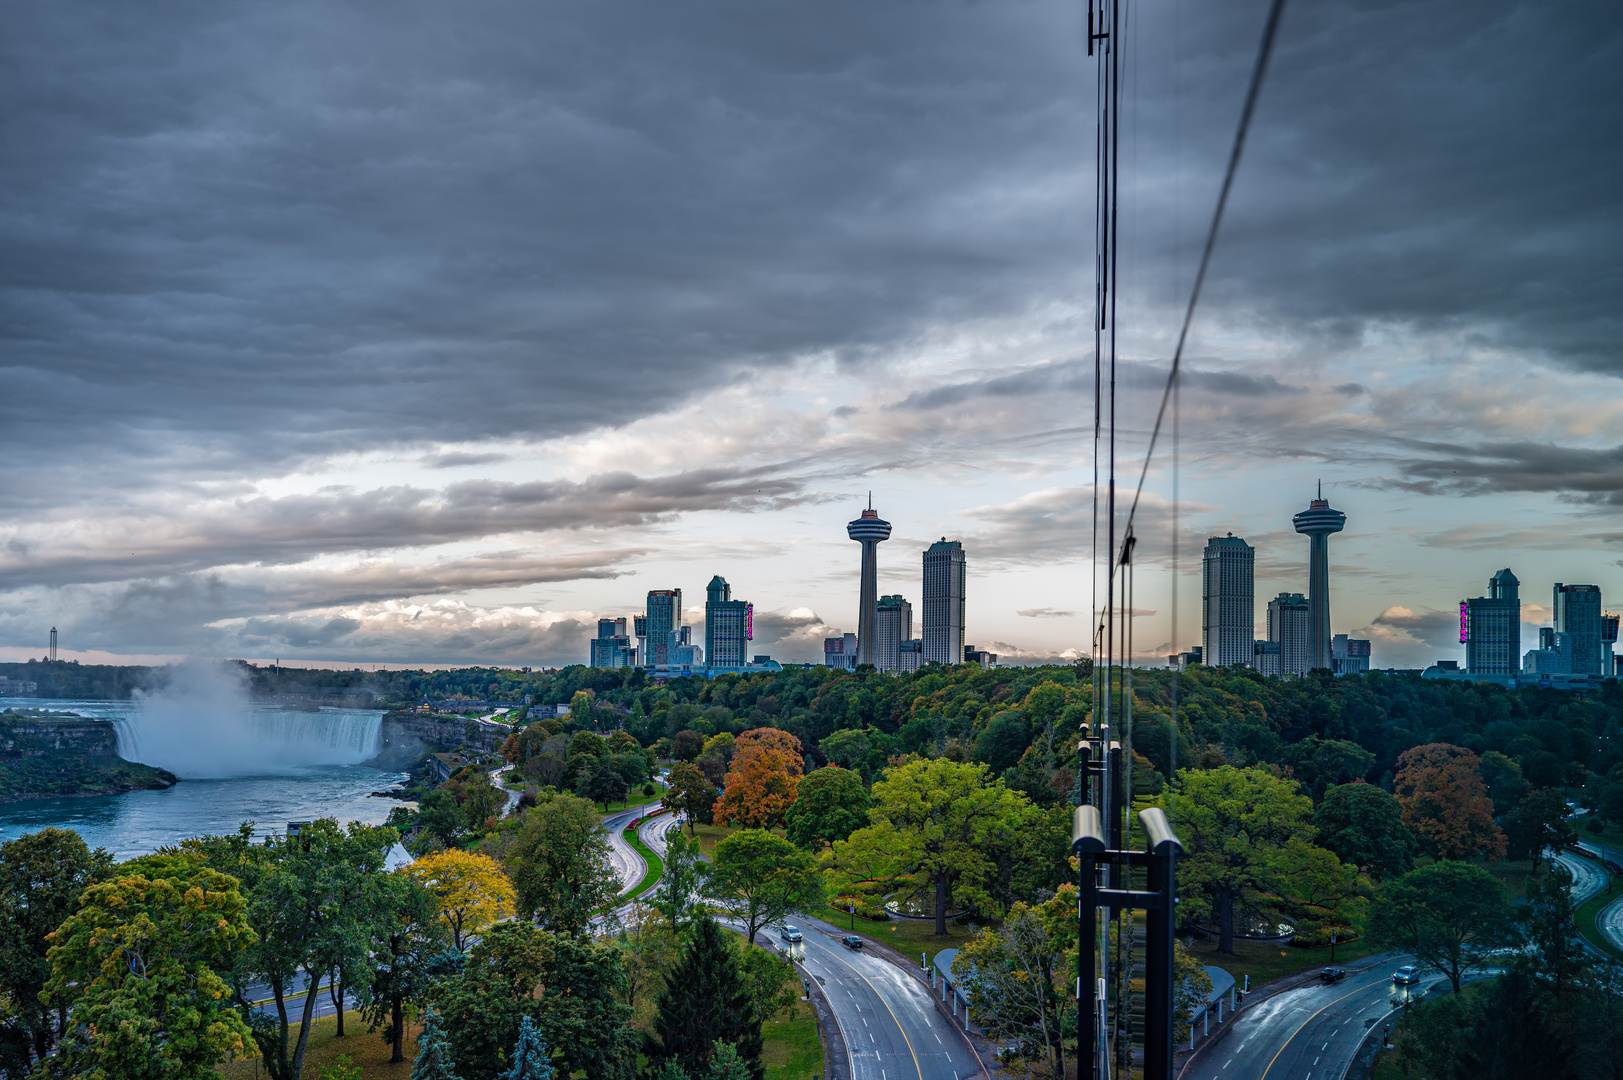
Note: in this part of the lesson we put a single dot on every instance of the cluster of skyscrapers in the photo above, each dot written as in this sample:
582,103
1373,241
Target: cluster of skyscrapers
659,642
1299,638
1578,644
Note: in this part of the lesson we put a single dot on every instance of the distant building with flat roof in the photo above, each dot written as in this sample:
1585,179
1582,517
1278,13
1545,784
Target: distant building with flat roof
1290,626
1578,615
1228,601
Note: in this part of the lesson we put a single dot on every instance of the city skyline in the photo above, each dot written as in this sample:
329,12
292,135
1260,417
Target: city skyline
413,410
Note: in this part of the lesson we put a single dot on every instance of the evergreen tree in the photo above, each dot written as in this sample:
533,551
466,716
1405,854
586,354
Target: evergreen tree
530,1058
705,1002
669,1070
433,1052
725,1064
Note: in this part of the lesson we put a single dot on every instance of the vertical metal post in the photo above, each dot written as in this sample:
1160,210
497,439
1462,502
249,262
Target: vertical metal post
1158,990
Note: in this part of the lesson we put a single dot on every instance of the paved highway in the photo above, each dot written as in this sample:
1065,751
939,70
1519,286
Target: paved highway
1610,919
888,1019
1312,1031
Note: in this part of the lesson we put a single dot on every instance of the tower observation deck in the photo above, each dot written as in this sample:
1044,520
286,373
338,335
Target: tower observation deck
868,530
1318,521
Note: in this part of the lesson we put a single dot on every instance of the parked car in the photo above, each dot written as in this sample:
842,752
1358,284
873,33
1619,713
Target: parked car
1333,974
1407,975
789,933
851,941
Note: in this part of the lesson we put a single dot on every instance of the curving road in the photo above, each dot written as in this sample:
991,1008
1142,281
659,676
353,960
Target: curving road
888,1019
1610,919
1312,1031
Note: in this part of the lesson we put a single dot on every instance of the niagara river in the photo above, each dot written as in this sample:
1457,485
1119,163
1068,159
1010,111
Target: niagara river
237,762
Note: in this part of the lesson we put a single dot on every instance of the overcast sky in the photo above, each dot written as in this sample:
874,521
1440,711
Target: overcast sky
418,332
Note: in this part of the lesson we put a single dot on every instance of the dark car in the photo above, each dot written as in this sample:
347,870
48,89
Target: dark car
1333,975
851,941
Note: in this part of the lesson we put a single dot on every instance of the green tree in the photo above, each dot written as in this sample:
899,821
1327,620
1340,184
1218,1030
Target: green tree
1318,764
1450,915
944,821
312,901
1546,921
606,786
690,794
1364,826
1539,822
727,1064
706,1001
141,961
830,805
571,989
1008,974
680,893
1237,825
406,935
1503,778
561,866
42,875
759,878
433,1052
848,748
770,981
441,816
529,1060
649,947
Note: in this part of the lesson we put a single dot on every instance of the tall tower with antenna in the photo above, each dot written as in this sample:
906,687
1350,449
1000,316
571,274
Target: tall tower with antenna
868,530
1318,521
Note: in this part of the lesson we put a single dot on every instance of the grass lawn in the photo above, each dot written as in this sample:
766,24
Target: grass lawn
792,1048
368,1051
656,866
1512,875
907,936
637,798
1265,961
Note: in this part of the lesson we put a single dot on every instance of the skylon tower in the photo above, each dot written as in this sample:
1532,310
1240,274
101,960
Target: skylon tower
1318,521
868,530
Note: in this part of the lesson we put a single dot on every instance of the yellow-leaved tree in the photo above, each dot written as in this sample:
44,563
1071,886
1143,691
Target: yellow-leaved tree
470,890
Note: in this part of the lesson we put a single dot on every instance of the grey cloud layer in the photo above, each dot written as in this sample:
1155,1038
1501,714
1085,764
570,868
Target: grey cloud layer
239,240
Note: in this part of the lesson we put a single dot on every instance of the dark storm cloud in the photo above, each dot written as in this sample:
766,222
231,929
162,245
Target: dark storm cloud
236,241
237,236
1076,377
295,528
1584,476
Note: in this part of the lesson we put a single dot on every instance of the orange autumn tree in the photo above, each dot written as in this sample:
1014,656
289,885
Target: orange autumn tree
1445,802
760,785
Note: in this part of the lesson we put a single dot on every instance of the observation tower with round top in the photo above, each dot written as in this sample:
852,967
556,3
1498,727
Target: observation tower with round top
868,530
1318,521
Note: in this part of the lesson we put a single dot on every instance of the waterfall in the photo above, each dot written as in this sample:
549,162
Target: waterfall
201,724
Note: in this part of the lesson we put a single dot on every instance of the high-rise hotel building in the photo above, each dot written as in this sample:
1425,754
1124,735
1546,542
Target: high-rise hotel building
944,602
1491,628
1290,626
1228,601
1578,615
663,621
894,625
728,625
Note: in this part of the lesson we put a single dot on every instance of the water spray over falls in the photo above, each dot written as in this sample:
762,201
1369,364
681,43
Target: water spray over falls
201,724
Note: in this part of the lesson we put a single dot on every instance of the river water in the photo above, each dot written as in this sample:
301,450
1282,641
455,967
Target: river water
268,766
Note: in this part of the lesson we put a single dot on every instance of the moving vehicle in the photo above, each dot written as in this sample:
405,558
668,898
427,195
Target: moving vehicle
851,941
1407,975
1333,974
789,933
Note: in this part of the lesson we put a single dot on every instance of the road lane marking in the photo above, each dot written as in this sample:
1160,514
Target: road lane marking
1304,1024
909,1042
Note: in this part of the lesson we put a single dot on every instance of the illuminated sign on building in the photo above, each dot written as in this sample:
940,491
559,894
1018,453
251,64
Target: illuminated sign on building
749,622
1465,622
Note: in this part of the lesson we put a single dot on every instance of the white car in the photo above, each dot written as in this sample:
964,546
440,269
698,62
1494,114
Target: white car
1407,975
790,933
